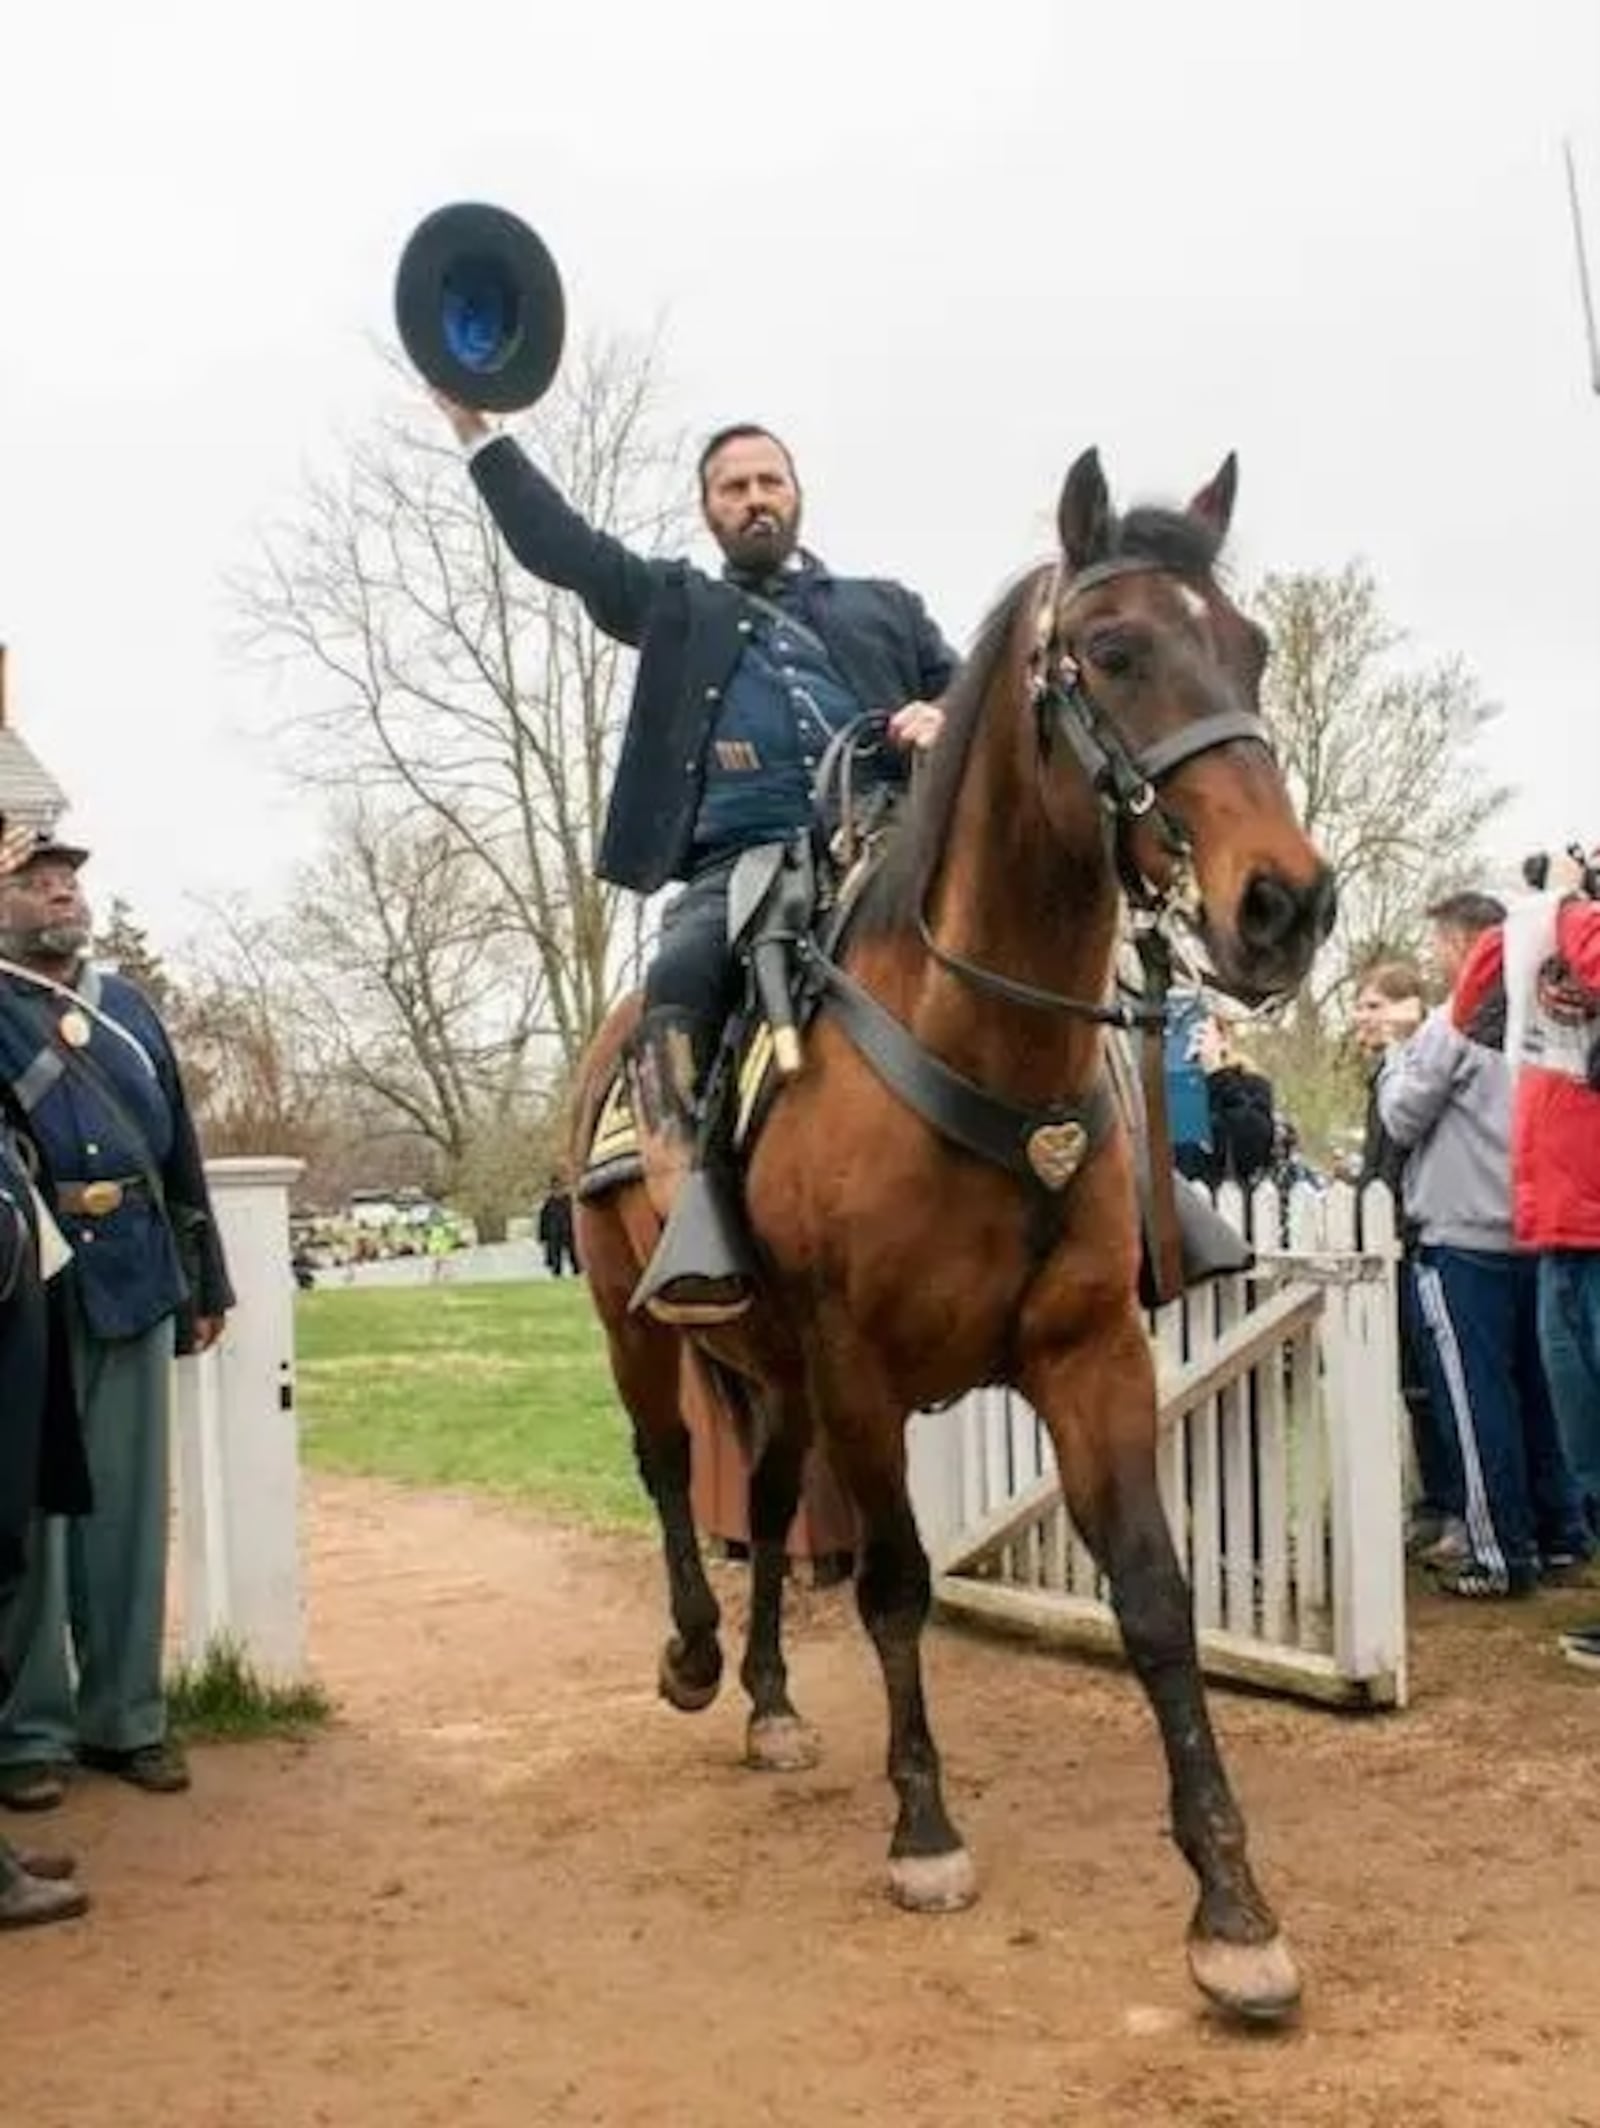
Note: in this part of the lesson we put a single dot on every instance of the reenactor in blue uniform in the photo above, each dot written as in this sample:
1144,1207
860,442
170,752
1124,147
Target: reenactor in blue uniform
743,679
41,1461
88,1063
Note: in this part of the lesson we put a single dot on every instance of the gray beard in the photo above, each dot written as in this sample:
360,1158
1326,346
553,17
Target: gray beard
50,942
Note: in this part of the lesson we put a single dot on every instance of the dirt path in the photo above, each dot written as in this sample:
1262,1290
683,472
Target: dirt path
510,1888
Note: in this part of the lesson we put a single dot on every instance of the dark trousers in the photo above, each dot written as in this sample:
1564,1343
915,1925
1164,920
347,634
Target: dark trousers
1481,1313
694,972
104,1577
1433,1435
1569,1332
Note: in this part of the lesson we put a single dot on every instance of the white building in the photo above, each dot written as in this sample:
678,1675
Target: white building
28,791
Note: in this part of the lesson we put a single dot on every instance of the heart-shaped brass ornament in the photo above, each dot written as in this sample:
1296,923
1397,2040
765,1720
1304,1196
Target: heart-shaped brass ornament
1055,1152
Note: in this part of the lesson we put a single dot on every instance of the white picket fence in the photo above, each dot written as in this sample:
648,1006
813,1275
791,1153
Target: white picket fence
1281,1462
1280,1458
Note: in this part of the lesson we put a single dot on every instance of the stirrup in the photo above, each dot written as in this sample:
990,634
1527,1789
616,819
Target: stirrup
700,1273
1208,1246
1212,1247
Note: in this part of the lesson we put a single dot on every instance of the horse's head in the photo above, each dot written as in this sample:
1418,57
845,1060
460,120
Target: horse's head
1148,674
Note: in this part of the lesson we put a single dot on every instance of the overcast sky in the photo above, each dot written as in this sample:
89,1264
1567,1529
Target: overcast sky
939,248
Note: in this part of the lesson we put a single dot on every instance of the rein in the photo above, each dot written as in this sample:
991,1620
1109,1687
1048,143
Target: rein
1125,781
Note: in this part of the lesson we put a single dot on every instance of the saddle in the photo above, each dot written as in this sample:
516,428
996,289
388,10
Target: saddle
790,907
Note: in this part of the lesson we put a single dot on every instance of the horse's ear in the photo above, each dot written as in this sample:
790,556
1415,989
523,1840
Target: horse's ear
1214,503
1083,515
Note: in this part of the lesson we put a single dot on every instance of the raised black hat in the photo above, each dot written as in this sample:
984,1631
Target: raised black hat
480,309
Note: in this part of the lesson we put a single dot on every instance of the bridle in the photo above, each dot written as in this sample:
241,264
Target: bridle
1126,781
1046,1146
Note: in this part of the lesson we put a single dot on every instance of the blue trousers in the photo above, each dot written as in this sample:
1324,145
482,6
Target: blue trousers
1480,1309
1433,1433
100,1583
694,969
1569,1334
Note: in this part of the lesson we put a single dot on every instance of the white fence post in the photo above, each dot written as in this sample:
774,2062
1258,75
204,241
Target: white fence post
1279,1463
238,1438
1365,1462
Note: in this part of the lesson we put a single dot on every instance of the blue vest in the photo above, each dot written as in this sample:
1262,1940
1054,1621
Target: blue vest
782,704
125,1262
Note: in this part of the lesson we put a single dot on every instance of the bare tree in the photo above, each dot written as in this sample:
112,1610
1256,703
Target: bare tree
1383,762
412,982
441,670
255,1085
381,1028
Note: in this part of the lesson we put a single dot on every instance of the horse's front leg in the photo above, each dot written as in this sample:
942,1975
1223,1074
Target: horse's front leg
1098,1399
930,1869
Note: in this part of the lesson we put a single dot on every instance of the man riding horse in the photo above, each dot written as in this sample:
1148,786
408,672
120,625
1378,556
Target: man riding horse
743,679
1105,750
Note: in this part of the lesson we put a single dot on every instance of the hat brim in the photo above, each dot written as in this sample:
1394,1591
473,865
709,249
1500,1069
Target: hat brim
67,853
480,308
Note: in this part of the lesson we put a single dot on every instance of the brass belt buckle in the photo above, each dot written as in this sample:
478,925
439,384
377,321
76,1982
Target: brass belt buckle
101,1197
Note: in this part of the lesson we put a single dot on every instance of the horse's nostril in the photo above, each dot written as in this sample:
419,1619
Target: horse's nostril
1270,911
1274,913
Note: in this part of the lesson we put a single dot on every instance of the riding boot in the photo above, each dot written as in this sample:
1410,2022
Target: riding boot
700,1273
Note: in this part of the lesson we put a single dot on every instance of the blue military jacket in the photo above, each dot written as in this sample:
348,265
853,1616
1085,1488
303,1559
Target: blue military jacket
691,631
105,1103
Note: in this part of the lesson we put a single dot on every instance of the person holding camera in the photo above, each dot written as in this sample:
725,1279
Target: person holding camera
1547,957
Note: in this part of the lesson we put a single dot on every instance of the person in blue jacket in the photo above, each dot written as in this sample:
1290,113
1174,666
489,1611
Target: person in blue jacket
1230,1136
88,1063
1188,1109
742,680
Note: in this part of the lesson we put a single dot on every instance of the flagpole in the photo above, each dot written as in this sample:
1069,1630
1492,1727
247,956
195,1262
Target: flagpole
1584,289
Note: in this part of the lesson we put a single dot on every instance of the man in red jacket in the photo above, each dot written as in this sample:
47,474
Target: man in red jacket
1547,955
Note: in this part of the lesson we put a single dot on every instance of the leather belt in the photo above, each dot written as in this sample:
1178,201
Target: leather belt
93,1200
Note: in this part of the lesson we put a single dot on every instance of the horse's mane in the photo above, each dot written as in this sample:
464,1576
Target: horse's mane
894,896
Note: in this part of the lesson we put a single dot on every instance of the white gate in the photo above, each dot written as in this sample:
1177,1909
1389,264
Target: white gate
1280,1459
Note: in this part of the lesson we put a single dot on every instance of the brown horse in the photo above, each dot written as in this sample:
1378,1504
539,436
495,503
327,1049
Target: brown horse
1104,735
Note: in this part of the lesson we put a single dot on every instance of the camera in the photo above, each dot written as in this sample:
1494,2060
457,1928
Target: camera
1536,870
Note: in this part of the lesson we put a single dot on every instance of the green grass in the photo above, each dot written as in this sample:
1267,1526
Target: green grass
222,1696
502,1389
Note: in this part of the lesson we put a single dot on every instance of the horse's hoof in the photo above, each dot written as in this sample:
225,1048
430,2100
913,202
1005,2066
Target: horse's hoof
933,1884
782,1743
1254,1981
681,1687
